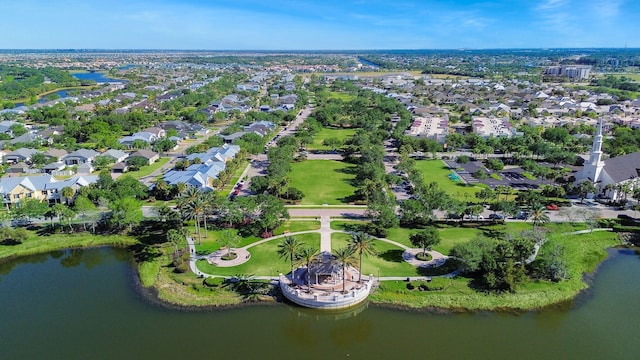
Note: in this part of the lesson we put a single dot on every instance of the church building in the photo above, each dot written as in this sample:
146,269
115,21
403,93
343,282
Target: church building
609,175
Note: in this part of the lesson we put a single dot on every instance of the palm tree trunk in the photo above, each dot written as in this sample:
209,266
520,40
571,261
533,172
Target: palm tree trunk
360,272
344,279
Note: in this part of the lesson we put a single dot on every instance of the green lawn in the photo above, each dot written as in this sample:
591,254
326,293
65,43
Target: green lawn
325,133
264,259
148,169
322,181
340,95
583,254
212,239
388,262
436,170
449,237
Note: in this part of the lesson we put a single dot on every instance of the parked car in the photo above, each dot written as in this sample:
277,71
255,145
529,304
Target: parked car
522,215
552,207
496,217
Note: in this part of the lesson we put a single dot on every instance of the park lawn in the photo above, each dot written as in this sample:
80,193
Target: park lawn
437,171
449,237
293,226
148,169
340,95
212,239
388,262
582,253
325,133
36,244
264,259
345,225
322,181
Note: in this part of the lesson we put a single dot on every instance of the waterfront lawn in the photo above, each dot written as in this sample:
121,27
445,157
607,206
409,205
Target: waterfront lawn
449,237
264,259
582,255
437,171
322,181
36,244
325,133
388,262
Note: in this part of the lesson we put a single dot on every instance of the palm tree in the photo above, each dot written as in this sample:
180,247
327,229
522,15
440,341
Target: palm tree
193,210
538,215
67,192
345,257
307,255
288,248
362,244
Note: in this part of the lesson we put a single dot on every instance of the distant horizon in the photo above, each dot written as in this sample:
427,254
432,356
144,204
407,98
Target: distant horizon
327,25
318,50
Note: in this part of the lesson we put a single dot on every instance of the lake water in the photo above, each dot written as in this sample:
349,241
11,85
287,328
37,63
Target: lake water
95,76
84,305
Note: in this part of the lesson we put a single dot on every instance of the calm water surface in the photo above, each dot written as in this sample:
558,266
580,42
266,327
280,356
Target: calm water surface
96,76
83,305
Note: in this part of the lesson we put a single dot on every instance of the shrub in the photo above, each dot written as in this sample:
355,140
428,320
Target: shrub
213,282
480,174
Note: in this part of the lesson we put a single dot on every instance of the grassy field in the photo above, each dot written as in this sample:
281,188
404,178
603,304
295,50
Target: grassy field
584,253
36,244
436,170
326,133
264,259
632,76
147,170
388,262
322,181
212,239
340,95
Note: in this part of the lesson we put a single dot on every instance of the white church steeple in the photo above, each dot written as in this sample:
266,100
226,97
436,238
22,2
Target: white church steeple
593,167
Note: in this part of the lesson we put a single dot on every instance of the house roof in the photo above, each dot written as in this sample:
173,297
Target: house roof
116,154
623,167
147,154
83,153
23,152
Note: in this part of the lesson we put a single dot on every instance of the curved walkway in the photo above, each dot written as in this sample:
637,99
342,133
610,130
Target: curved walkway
325,232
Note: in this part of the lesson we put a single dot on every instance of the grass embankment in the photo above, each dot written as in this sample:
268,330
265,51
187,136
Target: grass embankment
326,133
583,254
322,181
36,244
437,171
148,169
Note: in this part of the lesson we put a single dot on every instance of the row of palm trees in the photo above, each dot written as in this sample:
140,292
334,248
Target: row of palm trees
360,244
197,205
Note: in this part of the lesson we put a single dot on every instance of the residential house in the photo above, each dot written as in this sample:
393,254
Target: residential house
151,156
25,139
146,136
116,155
80,156
56,154
53,167
18,168
22,154
86,168
14,189
120,167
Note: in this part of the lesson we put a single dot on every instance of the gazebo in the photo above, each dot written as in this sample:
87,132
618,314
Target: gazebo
324,270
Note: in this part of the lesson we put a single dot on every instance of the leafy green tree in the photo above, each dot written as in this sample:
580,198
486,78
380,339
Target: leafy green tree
425,239
362,244
67,193
125,213
30,208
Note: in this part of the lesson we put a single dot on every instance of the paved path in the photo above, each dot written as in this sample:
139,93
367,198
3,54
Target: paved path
325,234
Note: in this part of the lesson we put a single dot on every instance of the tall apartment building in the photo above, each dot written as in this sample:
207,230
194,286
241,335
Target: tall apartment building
575,72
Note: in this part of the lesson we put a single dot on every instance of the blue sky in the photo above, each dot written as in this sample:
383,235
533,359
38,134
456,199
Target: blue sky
317,25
